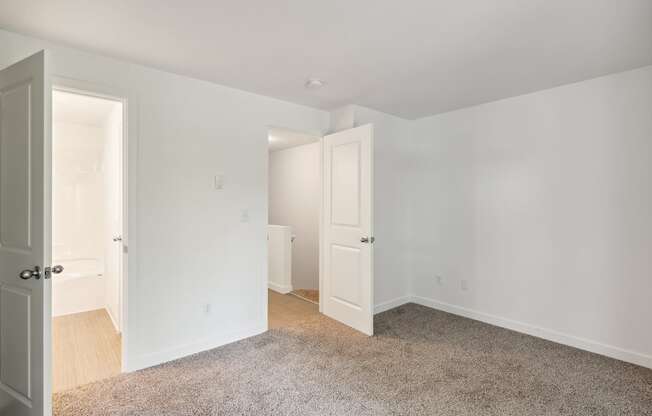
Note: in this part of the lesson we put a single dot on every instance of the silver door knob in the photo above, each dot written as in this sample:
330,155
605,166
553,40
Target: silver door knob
49,271
367,239
56,269
29,274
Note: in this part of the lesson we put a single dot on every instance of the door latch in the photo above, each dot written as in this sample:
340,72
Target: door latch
49,271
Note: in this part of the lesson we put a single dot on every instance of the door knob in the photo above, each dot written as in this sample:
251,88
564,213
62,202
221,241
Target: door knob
117,238
367,240
28,274
49,271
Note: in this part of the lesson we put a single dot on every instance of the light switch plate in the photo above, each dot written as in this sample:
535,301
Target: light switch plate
219,181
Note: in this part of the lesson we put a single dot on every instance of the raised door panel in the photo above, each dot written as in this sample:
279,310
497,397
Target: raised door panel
15,346
345,275
15,143
345,184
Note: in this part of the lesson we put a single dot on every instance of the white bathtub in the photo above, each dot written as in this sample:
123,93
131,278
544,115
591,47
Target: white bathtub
79,288
78,268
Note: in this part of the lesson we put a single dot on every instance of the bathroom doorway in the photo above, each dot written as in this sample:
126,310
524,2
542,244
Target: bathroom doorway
87,237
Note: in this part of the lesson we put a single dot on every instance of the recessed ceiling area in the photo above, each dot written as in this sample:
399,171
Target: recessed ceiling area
412,58
280,138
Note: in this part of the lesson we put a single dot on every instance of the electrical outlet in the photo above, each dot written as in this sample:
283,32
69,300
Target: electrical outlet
464,285
439,280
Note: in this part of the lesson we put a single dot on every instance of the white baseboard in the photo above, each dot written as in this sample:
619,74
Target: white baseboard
548,334
633,357
160,357
391,304
279,288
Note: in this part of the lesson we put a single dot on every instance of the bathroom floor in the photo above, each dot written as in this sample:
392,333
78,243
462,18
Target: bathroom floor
288,310
311,295
85,348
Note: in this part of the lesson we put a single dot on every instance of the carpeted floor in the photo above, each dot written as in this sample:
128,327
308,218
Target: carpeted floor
421,362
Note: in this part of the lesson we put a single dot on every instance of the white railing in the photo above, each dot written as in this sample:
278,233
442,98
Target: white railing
279,248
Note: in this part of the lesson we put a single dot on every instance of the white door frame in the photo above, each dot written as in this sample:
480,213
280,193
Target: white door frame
321,224
113,94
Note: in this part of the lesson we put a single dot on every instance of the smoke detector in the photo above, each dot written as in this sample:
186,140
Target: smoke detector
314,83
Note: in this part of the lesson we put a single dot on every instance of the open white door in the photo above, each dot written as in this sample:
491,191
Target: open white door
24,289
347,234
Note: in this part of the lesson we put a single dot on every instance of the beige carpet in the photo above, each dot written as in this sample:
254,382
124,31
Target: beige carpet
421,362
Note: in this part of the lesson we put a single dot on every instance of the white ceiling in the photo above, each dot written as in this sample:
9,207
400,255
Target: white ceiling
81,109
280,139
410,58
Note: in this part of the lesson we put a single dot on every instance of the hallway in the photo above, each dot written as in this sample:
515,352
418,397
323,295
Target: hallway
288,310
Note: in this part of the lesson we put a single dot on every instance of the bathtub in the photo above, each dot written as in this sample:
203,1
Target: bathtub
79,288
78,268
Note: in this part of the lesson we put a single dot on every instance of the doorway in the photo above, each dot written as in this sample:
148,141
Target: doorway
87,230
294,192
320,232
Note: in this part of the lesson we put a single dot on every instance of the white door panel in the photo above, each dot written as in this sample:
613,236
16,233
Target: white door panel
15,328
24,304
345,272
14,167
347,259
345,186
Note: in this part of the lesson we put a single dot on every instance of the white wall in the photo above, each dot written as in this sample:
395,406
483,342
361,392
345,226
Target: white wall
78,216
294,198
188,244
542,203
77,191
